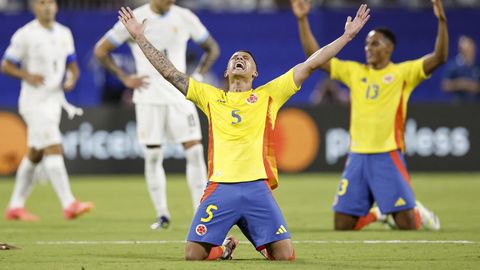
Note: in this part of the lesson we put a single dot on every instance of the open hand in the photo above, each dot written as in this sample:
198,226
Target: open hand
126,16
353,27
301,8
438,10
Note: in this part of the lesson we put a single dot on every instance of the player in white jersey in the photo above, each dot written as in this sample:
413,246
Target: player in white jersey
162,113
40,54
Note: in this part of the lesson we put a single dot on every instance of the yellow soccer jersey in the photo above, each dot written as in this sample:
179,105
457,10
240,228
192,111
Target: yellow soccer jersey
378,102
240,139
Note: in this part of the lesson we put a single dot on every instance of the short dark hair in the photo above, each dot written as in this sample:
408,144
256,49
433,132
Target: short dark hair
388,34
251,55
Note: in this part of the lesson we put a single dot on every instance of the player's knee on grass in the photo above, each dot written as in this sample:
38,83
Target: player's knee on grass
343,222
196,251
406,220
281,250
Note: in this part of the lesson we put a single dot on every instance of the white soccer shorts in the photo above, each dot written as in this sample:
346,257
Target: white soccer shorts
43,127
175,123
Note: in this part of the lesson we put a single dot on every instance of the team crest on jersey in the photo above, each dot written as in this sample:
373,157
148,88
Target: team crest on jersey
252,99
388,78
201,229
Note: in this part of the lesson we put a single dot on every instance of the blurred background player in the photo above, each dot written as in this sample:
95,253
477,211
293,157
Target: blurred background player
329,91
462,74
379,92
162,112
40,53
241,151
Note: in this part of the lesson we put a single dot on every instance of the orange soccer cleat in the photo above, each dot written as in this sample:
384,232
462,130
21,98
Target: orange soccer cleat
20,214
77,208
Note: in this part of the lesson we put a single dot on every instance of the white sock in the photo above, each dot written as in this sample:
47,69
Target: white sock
196,173
23,183
156,180
57,173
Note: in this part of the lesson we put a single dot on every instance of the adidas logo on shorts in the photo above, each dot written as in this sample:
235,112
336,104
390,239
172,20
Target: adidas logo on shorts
281,230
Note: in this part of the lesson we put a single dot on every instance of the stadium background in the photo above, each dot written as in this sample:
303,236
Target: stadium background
440,136
442,139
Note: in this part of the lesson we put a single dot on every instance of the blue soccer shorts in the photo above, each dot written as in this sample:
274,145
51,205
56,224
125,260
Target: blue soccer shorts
249,205
369,178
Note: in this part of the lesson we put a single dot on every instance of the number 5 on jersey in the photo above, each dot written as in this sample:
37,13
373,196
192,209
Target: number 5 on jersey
209,213
237,118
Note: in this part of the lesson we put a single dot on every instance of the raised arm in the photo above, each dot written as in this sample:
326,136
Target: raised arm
300,9
212,51
440,54
303,70
156,58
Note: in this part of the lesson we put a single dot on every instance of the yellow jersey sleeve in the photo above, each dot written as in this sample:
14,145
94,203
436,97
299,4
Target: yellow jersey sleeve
281,88
343,71
414,73
200,93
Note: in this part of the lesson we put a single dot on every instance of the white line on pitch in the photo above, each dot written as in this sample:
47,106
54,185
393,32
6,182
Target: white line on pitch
150,242
387,242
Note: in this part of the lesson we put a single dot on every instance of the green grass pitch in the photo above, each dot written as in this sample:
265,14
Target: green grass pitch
116,235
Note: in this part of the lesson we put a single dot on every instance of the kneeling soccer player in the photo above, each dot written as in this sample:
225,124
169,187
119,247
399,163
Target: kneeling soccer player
241,158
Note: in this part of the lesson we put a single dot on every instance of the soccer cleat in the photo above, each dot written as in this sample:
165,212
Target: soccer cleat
429,220
77,209
264,253
162,222
390,223
386,220
378,214
5,246
229,246
20,214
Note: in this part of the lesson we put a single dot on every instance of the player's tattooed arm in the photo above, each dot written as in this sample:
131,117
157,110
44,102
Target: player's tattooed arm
159,61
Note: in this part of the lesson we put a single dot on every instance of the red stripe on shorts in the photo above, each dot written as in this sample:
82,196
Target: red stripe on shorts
268,184
209,190
400,167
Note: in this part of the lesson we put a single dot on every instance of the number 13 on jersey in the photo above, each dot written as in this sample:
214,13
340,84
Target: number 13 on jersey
372,91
